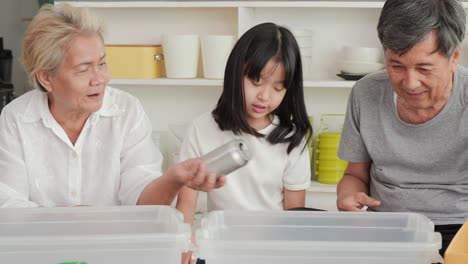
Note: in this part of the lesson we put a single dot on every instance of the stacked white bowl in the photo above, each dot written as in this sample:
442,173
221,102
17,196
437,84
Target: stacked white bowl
361,60
305,41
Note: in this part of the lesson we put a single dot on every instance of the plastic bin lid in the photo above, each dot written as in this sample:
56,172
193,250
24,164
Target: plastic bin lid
45,229
316,236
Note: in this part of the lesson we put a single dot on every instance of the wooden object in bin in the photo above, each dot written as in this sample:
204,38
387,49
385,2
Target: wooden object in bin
457,252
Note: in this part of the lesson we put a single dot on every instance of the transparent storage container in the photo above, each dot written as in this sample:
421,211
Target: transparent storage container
93,235
317,237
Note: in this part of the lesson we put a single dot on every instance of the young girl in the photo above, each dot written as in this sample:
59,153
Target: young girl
263,103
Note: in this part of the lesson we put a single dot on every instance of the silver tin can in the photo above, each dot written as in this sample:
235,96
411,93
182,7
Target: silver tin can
228,157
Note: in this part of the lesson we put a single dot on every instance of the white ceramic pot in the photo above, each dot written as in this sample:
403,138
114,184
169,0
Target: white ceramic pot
181,54
215,52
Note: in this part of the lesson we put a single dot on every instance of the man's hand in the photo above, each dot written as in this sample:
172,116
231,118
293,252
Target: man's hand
355,202
192,173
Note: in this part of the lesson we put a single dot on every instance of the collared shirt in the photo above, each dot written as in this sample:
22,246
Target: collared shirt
111,163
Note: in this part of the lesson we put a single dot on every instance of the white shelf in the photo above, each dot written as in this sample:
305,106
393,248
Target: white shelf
320,187
150,4
178,4
331,4
209,82
167,82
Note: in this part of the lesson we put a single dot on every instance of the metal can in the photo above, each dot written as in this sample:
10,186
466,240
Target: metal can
228,157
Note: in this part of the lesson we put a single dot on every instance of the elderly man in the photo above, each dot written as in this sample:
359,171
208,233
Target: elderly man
406,129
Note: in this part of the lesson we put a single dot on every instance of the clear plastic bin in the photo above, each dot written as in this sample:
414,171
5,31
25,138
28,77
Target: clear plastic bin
93,235
317,237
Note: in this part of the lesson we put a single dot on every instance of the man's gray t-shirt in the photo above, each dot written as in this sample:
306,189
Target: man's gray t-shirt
415,168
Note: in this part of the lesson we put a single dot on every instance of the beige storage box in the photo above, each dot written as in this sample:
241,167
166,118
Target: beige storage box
135,61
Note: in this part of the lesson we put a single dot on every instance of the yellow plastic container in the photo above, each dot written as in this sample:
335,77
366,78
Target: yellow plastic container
310,145
329,175
311,151
329,140
321,156
329,168
337,164
326,154
330,136
135,61
457,251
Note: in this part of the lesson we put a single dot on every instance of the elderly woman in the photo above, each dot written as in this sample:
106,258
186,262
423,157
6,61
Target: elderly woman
75,141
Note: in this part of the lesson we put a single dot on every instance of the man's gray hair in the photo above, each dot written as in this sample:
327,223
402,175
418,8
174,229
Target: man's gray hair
405,23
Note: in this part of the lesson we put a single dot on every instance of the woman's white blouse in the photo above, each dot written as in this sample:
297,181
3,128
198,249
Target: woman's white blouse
111,163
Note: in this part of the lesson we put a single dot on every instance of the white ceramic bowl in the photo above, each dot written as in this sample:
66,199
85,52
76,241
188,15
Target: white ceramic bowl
363,54
360,67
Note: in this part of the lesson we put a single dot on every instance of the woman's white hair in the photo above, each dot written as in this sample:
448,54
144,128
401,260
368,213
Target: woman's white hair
48,35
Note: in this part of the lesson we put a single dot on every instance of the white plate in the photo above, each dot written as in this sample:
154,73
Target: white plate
360,68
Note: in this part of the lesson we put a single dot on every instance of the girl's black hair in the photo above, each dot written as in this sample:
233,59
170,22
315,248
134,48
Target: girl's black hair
248,57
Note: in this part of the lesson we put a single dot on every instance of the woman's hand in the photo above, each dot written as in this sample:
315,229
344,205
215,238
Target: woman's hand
192,173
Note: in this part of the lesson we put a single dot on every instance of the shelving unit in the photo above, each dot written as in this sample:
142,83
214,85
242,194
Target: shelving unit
167,82
219,83
248,3
333,24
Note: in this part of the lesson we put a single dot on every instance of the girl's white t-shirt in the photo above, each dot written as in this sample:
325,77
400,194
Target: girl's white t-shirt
259,184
